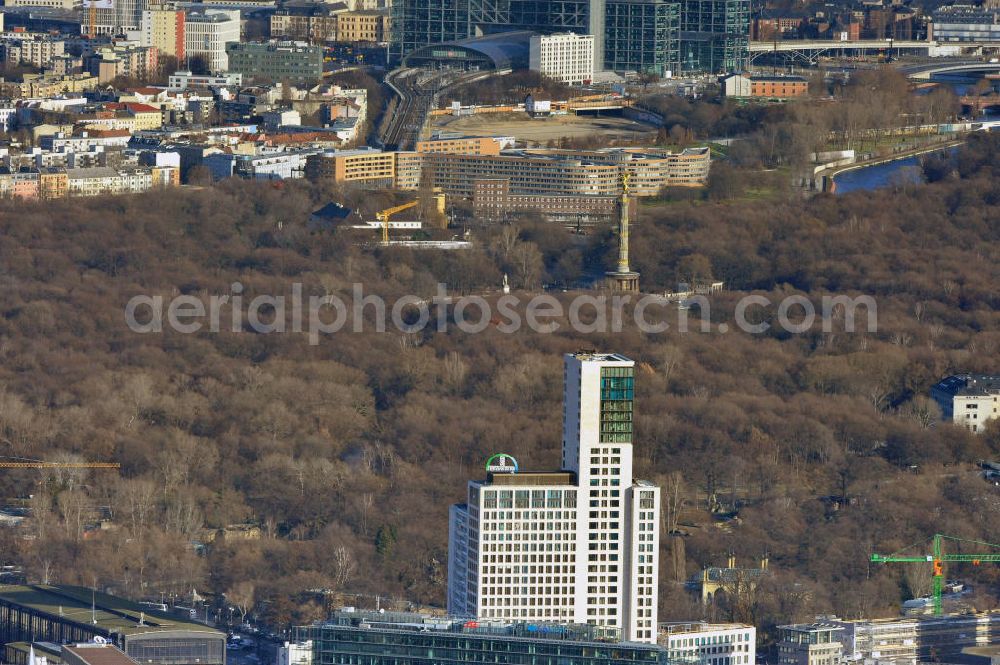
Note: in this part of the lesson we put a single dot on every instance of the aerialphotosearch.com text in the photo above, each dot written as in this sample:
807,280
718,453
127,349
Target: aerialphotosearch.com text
319,315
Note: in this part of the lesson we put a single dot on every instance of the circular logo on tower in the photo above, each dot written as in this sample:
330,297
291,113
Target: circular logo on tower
501,463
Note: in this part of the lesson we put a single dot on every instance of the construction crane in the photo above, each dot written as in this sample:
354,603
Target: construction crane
937,558
25,463
384,215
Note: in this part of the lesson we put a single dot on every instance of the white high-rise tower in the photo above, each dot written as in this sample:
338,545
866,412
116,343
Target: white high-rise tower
579,545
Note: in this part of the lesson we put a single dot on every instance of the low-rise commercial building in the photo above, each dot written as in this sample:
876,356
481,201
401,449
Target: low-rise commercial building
702,643
969,400
565,57
296,62
66,614
394,637
764,87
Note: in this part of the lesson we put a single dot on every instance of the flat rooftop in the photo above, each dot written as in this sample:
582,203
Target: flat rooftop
532,478
98,654
594,356
73,604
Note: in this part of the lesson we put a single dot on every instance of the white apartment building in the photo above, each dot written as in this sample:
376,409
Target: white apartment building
970,400
579,545
206,33
703,643
566,57
879,641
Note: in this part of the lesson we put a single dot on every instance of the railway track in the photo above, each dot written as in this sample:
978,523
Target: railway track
418,91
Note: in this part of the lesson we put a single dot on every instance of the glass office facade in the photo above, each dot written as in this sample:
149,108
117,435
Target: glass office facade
419,645
715,36
642,36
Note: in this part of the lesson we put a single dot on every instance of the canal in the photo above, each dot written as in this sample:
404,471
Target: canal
902,170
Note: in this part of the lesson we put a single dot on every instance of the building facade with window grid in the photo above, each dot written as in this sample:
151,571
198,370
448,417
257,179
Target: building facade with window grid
575,546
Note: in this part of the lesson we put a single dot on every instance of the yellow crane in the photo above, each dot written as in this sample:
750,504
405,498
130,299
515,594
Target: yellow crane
24,463
384,215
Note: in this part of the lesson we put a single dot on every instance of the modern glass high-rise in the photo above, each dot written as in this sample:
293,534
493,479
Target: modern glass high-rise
654,36
642,36
579,545
715,35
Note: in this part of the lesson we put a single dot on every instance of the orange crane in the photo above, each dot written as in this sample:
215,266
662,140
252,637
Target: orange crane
24,463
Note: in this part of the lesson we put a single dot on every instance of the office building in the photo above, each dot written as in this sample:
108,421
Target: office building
965,23
579,545
702,643
492,201
121,17
390,638
295,62
642,36
541,172
208,31
946,638
67,614
565,57
969,400
163,28
810,644
647,36
715,36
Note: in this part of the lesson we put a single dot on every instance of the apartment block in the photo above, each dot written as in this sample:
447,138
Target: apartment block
366,166
566,57
163,29
363,26
37,51
969,400
702,643
578,545
313,21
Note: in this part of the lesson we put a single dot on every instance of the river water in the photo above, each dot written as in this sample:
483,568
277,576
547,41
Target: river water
902,170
